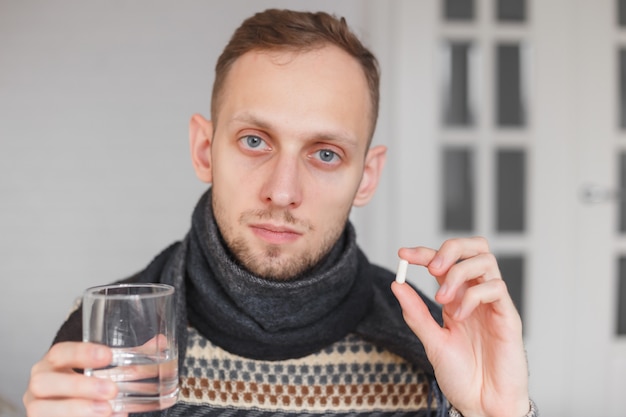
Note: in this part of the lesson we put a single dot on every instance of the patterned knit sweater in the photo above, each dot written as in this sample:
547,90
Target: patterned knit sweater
349,377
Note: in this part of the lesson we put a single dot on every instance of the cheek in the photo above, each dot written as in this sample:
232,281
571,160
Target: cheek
228,201
232,180
336,192
331,206
227,195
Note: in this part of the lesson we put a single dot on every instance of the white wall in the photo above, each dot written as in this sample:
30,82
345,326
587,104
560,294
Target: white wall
95,177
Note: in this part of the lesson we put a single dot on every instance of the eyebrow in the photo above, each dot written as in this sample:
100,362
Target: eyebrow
249,118
344,138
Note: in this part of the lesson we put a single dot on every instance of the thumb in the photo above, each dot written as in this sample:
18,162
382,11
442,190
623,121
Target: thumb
417,315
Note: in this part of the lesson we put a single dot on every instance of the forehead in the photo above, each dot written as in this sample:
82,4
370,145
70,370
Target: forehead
323,86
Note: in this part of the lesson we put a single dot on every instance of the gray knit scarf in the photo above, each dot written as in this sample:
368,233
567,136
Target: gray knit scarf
271,319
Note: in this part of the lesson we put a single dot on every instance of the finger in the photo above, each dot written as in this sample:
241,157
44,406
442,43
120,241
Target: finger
490,292
482,267
125,373
68,408
450,252
419,255
441,262
70,385
158,343
416,314
422,256
453,250
72,355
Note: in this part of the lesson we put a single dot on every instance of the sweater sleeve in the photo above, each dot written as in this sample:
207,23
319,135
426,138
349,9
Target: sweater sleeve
71,330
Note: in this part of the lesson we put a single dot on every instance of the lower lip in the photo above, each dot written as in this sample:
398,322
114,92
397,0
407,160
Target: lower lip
273,237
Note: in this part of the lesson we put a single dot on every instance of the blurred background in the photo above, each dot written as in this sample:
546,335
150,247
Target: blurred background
503,118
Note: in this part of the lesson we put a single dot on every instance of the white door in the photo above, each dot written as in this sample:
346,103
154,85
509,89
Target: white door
599,340
503,119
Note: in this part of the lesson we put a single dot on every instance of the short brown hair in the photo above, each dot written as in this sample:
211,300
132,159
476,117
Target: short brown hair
276,29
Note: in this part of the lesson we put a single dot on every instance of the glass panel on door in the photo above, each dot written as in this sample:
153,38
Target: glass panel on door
510,105
621,13
621,297
511,10
510,190
458,9
621,200
458,110
458,190
512,269
622,86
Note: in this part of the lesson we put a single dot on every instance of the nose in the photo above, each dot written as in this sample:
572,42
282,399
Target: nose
282,187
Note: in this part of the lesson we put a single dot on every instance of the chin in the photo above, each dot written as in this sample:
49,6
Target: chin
278,268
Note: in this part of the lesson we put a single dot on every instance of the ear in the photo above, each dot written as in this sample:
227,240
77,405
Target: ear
374,162
200,141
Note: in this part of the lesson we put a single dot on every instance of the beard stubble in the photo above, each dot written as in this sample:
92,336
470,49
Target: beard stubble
270,262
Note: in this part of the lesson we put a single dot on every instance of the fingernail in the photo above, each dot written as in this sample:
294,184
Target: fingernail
99,354
105,388
101,407
443,290
436,262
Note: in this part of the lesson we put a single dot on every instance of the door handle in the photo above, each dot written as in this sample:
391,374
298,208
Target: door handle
594,194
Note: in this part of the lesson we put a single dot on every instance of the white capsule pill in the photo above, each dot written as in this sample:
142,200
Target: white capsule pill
401,274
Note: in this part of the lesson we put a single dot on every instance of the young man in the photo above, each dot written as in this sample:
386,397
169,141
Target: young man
279,310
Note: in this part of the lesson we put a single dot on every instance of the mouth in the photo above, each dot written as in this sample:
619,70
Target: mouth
275,234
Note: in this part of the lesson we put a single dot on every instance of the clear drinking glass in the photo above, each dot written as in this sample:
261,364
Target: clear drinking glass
138,322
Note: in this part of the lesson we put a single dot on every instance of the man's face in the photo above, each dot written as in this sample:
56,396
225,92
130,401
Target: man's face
287,156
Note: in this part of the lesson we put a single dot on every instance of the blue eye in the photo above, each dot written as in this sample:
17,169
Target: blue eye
253,141
327,155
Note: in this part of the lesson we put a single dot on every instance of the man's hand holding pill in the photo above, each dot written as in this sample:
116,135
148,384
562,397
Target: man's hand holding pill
478,355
